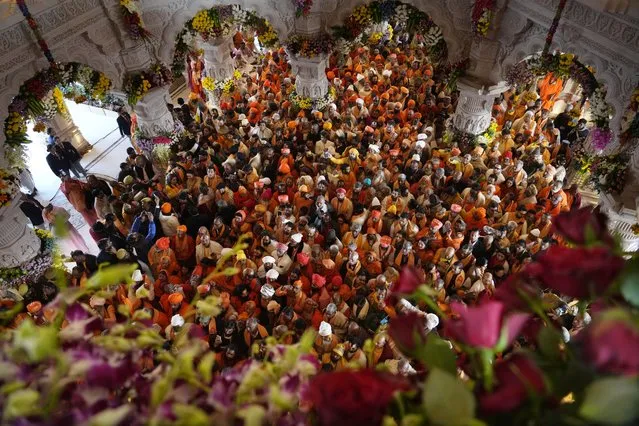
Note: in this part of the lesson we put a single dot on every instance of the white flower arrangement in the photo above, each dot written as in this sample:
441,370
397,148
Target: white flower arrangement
49,106
433,36
401,13
239,15
600,110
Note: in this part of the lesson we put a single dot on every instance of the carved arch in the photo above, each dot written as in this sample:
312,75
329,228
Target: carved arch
455,36
175,14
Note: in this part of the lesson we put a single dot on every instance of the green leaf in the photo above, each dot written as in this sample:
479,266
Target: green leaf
412,420
111,416
282,400
447,401
252,415
205,367
549,340
189,415
21,403
611,401
437,354
209,307
37,343
630,283
111,275
159,390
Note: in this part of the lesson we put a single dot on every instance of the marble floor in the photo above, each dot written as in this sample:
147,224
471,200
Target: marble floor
99,128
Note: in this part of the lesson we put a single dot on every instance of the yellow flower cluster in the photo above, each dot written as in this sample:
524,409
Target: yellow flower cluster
59,101
593,70
228,87
529,96
101,87
208,83
202,22
237,75
635,96
635,228
565,61
304,103
483,23
375,37
39,127
15,125
362,15
269,36
125,3
389,30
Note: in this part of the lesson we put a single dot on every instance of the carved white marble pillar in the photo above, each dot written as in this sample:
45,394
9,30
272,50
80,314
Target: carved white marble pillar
474,106
153,115
66,129
310,75
136,57
314,22
218,62
18,241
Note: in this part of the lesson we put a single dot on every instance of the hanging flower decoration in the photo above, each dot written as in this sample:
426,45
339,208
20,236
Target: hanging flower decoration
302,7
608,174
363,24
483,11
9,186
133,20
630,120
41,97
309,47
35,29
137,85
452,72
216,22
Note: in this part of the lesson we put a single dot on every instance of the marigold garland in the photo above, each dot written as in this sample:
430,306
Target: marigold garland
483,11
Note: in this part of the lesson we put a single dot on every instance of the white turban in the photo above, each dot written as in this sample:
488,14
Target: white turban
325,329
177,320
272,274
268,259
137,275
267,290
432,321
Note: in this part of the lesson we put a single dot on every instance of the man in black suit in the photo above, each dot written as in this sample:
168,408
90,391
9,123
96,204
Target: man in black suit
57,162
88,261
124,123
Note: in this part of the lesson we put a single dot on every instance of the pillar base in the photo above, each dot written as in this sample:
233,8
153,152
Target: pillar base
310,76
18,241
66,129
153,116
474,106
218,62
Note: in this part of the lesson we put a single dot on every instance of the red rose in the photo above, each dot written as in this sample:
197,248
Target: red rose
515,290
576,272
409,280
574,225
612,346
408,331
481,326
352,397
515,378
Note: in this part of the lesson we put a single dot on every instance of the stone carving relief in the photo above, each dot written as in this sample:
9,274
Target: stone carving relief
153,116
18,242
310,79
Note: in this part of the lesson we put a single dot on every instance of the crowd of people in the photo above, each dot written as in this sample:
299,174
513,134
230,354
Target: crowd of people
331,206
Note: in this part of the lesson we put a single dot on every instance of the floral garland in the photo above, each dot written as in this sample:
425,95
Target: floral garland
600,112
399,15
452,72
39,100
608,174
309,47
30,271
133,20
138,84
302,7
215,22
320,104
9,186
225,87
483,11
35,29
554,25
630,122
